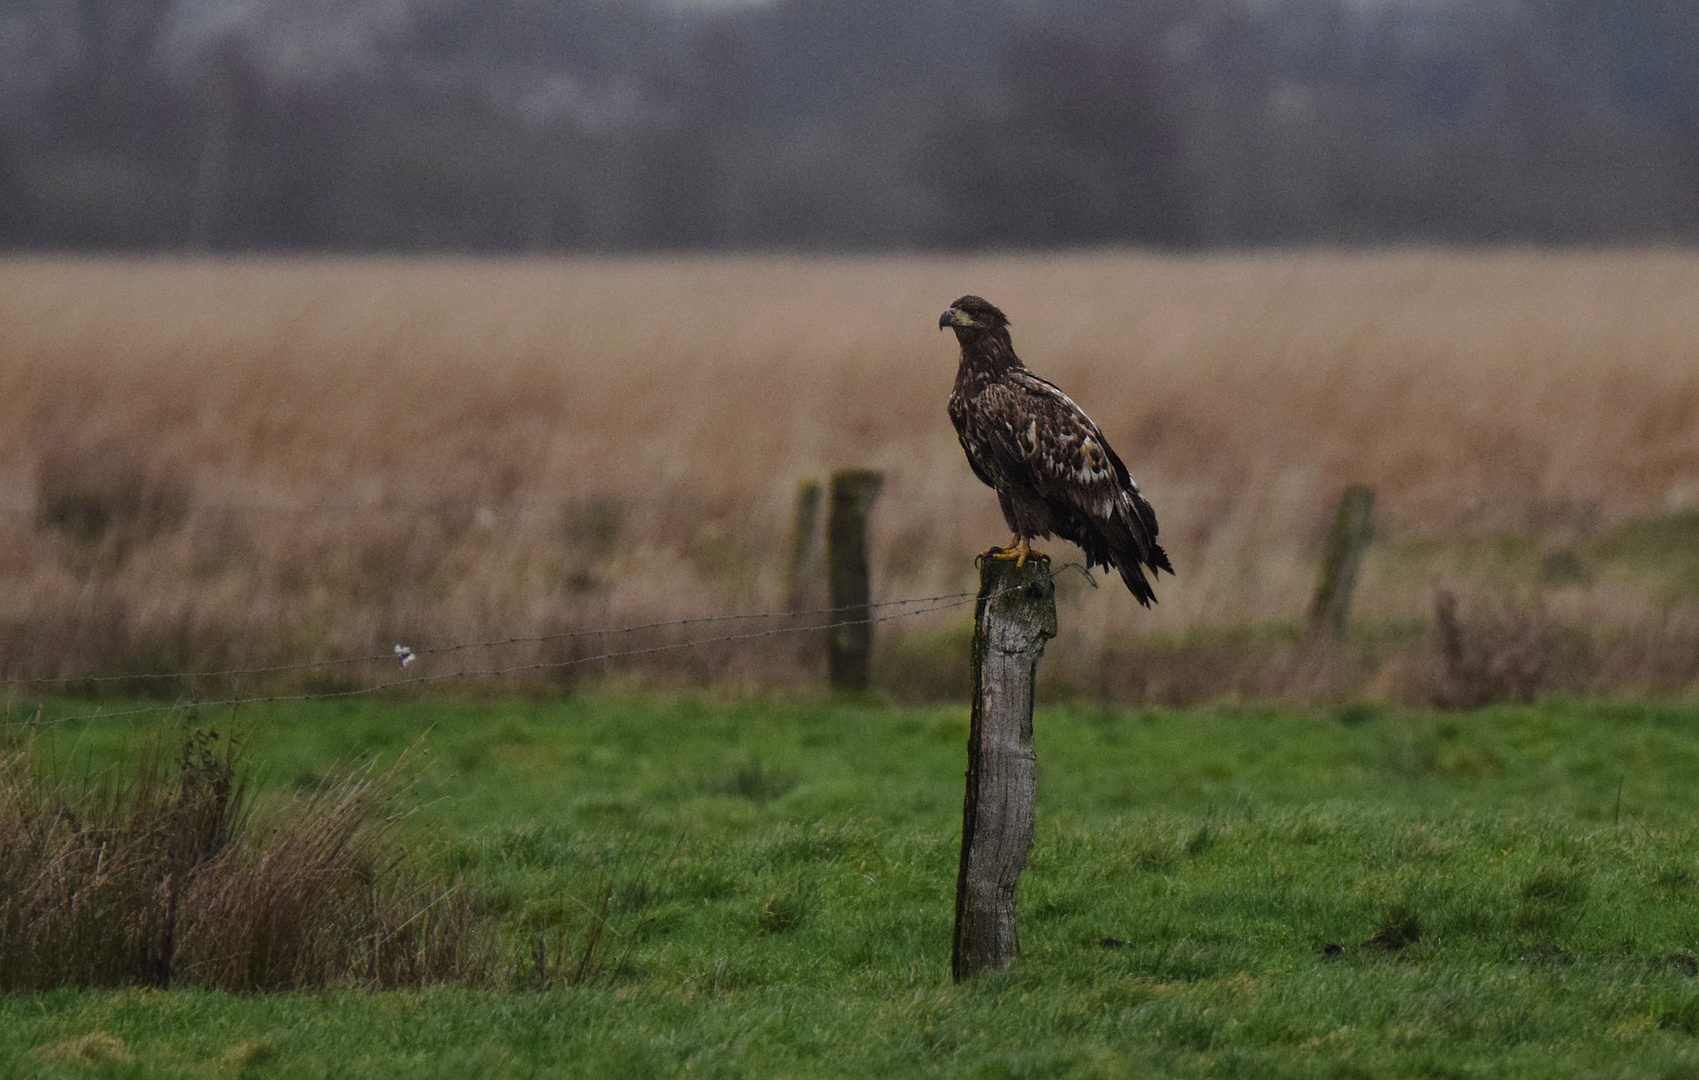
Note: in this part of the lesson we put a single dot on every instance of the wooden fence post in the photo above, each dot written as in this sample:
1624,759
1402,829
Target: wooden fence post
849,643
1015,616
801,555
1353,528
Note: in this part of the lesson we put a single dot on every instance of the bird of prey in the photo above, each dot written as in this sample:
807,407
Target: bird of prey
1051,467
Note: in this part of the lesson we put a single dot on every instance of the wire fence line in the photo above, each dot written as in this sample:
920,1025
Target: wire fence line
499,509
492,672
493,643
911,608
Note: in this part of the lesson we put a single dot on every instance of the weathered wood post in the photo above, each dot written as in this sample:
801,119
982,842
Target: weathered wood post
1353,528
1015,616
849,643
801,555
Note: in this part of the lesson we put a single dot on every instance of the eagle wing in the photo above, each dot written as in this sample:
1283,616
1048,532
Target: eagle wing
1037,438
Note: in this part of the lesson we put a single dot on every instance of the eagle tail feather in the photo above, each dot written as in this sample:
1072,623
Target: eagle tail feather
1159,560
1133,574
1129,550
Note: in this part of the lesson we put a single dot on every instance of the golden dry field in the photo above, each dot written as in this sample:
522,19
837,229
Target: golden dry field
245,461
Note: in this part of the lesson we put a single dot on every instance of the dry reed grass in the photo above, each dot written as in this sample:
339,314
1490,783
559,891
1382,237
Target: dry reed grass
168,878
209,462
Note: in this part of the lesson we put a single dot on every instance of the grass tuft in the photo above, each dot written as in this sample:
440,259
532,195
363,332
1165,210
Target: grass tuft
246,1055
1400,929
754,781
1201,841
170,877
91,1051
1550,900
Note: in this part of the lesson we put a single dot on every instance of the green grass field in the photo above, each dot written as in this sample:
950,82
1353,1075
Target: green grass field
1513,892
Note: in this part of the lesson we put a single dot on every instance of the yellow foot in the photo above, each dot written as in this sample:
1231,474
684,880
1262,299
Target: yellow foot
1019,551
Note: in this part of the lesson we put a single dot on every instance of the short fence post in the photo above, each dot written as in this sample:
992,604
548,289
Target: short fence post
803,545
1353,528
1015,616
849,643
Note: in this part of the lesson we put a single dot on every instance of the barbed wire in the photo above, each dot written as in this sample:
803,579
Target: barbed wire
499,510
501,672
493,643
943,602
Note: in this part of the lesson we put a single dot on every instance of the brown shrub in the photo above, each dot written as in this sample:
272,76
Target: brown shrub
1500,655
170,877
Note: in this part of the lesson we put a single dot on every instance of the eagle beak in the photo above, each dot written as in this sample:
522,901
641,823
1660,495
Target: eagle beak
952,317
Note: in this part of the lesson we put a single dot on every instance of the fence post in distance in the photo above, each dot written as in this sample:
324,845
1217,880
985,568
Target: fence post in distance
802,546
849,643
1015,616
1353,528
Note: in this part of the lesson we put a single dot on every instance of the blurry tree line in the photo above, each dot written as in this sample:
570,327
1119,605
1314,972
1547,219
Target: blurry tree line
519,125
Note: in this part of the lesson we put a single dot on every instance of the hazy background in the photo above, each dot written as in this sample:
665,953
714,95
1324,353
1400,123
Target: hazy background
618,125
1275,247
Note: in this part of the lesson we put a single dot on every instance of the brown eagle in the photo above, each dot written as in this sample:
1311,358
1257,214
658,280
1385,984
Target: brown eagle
1052,469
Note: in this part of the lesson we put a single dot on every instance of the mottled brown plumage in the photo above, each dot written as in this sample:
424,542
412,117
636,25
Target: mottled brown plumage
1051,467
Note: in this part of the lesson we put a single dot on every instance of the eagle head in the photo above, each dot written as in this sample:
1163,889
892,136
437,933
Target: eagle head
972,316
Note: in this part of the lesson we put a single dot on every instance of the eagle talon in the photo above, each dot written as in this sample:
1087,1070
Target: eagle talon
1017,553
